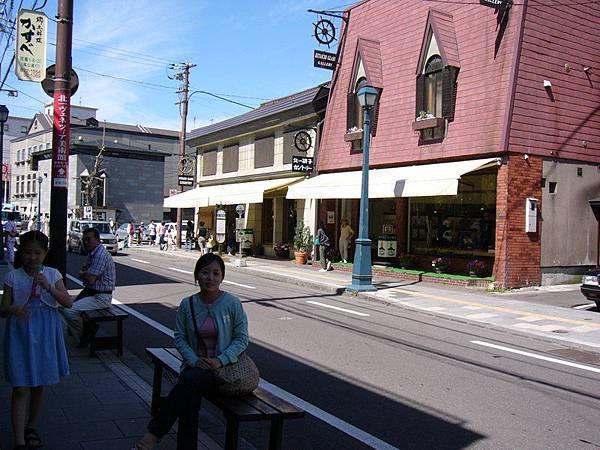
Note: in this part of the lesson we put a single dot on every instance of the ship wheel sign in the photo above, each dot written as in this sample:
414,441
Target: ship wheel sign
302,141
325,32
186,165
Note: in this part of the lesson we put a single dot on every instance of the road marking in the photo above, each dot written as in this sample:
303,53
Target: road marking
496,308
140,261
133,312
313,410
529,319
238,284
329,419
181,270
586,306
536,356
481,316
338,308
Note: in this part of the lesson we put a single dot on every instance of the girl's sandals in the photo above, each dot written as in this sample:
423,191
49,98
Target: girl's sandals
32,439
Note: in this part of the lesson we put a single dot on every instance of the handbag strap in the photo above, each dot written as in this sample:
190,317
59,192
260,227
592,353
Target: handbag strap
200,340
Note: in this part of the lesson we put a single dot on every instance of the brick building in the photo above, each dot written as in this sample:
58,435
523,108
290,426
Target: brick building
483,115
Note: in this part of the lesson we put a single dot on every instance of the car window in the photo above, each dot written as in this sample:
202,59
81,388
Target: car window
102,227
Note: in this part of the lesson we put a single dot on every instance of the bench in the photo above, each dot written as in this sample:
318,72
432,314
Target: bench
260,405
110,314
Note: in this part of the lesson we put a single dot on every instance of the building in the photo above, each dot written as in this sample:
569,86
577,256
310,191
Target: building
134,180
247,160
486,135
13,128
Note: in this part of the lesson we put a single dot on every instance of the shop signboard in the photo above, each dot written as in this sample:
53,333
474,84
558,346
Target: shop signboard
87,212
246,238
185,180
387,246
32,39
221,219
496,4
302,163
61,140
325,60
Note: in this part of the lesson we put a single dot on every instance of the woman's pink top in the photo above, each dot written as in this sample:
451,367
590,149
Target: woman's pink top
208,333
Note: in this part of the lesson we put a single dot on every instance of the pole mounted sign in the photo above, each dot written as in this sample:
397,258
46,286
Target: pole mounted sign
32,37
61,138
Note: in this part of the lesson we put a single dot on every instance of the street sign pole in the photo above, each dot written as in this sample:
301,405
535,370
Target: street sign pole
61,135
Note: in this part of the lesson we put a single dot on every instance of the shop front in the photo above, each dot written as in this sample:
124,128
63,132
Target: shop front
417,213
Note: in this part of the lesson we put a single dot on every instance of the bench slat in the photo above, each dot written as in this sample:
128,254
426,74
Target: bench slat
285,408
165,358
112,313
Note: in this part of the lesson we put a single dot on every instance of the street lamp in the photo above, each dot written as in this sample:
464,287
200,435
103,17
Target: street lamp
362,275
3,119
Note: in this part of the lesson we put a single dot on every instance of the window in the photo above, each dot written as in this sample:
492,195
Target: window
268,220
28,186
552,187
429,99
231,158
264,152
209,162
18,155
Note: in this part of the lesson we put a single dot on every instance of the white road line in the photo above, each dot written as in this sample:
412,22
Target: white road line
536,356
313,410
133,312
335,422
338,308
181,270
238,284
586,306
140,261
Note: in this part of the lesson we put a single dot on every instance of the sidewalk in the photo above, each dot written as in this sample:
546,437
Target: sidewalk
578,329
102,405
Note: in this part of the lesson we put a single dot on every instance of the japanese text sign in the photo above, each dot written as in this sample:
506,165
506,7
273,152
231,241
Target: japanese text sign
61,140
30,54
302,163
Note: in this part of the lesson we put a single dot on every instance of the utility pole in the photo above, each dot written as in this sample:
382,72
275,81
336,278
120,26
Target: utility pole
185,76
61,134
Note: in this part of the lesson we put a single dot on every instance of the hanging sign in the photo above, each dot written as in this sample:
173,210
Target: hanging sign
302,163
325,60
492,3
60,140
30,54
185,180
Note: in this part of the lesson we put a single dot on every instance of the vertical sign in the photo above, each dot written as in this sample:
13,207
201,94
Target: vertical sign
60,138
30,54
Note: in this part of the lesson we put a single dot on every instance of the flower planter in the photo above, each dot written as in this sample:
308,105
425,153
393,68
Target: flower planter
353,136
427,123
301,257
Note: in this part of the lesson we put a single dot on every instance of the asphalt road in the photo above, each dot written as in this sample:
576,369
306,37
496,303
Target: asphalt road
376,375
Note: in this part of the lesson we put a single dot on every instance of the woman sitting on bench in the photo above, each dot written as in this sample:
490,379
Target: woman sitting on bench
222,336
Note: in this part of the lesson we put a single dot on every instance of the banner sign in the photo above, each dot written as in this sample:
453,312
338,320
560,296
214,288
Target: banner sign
496,4
32,37
185,180
61,140
325,60
302,163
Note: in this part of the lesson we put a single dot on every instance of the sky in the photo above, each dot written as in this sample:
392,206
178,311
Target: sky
247,50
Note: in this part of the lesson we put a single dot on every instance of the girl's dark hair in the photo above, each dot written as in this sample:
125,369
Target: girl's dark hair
27,238
206,260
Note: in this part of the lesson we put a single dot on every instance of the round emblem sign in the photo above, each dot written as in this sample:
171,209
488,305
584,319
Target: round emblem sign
325,32
240,209
302,141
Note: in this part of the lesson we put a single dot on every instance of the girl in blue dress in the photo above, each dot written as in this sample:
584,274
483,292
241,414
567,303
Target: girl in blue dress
34,347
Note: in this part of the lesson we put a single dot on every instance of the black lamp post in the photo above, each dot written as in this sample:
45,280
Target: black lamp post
3,119
362,274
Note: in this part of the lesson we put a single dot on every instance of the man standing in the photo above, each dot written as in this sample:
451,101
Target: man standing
98,275
152,232
160,230
11,233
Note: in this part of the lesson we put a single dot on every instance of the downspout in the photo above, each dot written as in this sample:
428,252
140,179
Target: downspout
508,114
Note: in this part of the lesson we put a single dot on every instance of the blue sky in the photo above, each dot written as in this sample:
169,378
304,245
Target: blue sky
259,49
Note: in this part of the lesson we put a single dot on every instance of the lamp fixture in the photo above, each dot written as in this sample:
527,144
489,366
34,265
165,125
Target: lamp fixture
367,96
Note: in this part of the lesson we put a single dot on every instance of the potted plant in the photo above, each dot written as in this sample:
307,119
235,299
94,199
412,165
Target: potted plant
282,250
475,267
440,264
302,243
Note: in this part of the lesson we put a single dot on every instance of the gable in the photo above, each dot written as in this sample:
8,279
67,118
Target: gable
367,63
439,35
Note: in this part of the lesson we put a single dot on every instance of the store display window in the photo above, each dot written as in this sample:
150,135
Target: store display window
462,224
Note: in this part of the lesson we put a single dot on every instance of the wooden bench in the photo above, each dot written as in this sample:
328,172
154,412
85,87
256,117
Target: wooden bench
111,342
260,405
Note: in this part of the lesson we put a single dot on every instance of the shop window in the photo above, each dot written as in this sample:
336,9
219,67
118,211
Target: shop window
290,220
463,224
268,220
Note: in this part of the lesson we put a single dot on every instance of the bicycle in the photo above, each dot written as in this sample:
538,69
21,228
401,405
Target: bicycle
163,244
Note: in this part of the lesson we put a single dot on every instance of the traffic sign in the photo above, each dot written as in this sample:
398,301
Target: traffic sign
48,82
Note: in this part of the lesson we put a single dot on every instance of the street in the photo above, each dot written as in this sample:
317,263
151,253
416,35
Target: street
375,375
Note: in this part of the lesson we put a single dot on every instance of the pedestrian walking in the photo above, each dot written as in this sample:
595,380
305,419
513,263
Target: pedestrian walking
346,233
31,225
160,231
98,275
211,331
46,225
130,233
112,225
189,235
34,347
152,232
11,233
324,244
139,233
202,236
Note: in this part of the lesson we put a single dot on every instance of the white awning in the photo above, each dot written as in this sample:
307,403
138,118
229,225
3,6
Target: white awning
409,181
227,194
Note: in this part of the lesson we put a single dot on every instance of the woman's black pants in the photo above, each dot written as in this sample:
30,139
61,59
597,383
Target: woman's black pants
184,398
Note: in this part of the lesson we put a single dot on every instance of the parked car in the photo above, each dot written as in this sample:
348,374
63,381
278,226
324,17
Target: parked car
590,286
75,235
122,233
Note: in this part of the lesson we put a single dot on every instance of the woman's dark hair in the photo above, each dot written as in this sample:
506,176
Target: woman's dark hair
27,238
207,260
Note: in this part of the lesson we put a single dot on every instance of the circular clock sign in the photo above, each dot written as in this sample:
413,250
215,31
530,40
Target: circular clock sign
302,141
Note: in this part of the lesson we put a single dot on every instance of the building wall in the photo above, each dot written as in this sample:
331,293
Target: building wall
567,213
483,84
563,122
517,253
